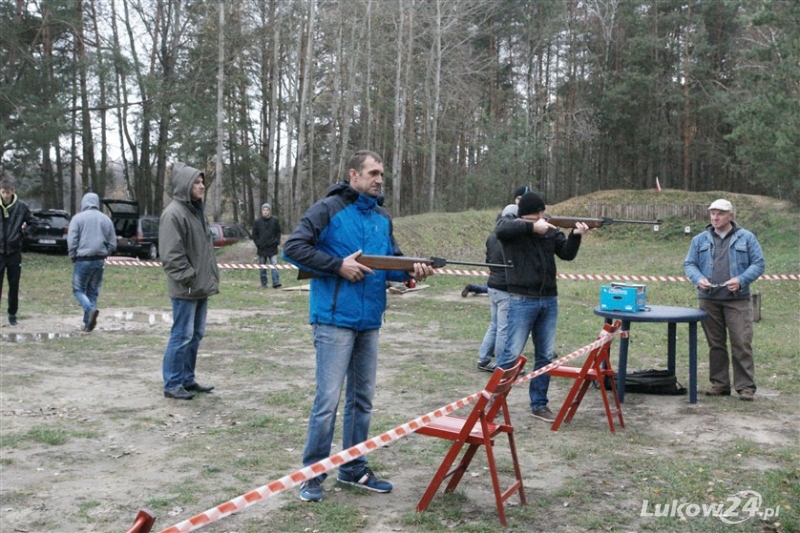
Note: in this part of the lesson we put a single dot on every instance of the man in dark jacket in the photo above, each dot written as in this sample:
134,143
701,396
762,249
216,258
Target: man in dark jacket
483,289
530,243
347,302
187,255
90,239
267,237
14,220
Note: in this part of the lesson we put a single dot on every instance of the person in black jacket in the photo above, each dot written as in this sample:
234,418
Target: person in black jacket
267,237
531,244
15,220
484,289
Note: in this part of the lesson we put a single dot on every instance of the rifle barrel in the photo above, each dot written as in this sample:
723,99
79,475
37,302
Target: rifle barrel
491,265
628,221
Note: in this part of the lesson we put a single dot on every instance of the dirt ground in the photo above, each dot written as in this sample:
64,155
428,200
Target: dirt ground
107,476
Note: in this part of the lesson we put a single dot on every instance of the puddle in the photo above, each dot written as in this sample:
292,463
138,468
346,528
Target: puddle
34,337
145,318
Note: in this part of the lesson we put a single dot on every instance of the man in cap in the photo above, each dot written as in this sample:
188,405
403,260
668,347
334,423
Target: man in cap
530,243
267,237
722,262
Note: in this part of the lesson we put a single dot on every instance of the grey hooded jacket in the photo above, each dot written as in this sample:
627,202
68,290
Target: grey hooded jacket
91,233
184,241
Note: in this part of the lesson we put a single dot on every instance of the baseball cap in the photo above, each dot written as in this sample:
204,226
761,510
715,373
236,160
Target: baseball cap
721,205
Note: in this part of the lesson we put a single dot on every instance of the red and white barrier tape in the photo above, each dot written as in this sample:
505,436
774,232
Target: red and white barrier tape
279,485
455,272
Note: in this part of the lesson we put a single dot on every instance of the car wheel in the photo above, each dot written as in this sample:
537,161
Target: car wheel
152,252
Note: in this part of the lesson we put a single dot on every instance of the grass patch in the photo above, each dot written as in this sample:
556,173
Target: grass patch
258,352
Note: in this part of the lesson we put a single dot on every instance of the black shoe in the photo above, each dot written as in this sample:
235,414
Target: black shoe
92,320
278,286
12,320
178,394
196,387
466,291
487,367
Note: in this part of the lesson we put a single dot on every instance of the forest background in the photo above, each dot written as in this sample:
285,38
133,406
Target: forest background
464,99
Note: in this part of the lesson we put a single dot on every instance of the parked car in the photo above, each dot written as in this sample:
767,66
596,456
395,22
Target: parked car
50,235
137,235
226,233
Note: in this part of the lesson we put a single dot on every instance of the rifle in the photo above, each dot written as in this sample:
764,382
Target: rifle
399,262
569,222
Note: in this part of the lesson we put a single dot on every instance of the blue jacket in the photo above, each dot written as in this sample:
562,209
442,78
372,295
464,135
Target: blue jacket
746,258
338,225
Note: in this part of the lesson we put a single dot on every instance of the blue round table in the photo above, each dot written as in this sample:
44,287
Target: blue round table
659,313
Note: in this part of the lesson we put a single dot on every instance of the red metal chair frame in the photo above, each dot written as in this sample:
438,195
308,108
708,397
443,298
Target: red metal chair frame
597,368
476,430
143,523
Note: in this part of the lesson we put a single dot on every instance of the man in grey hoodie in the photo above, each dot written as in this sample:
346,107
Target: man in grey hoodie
187,255
90,239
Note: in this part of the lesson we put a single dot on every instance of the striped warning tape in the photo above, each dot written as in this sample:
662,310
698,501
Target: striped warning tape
457,272
320,467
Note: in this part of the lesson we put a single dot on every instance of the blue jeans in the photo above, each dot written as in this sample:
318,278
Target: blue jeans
536,317
269,260
494,341
342,353
188,329
87,279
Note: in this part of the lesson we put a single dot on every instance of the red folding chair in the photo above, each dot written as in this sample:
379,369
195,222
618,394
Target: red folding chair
143,523
597,369
476,430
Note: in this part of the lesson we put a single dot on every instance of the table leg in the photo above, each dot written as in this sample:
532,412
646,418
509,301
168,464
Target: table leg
671,335
622,368
692,362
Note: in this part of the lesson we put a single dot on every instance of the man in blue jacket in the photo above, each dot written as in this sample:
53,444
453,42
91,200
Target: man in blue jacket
347,302
722,262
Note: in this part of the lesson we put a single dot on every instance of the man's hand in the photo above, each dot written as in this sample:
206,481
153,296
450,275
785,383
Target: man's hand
422,271
352,270
581,228
542,226
704,284
733,284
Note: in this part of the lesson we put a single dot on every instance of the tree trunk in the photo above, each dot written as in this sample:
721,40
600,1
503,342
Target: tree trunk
102,179
305,83
433,131
88,166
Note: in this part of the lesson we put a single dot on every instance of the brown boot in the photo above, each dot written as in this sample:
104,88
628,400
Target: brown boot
718,391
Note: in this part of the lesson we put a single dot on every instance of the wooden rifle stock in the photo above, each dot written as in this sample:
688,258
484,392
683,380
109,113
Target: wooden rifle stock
399,262
569,222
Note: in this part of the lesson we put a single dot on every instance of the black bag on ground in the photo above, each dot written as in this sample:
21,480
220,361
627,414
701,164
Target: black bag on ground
653,382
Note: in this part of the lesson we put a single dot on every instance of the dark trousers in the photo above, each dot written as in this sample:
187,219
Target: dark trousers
11,265
730,320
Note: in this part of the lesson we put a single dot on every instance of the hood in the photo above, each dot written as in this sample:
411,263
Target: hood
363,201
183,177
90,201
7,207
